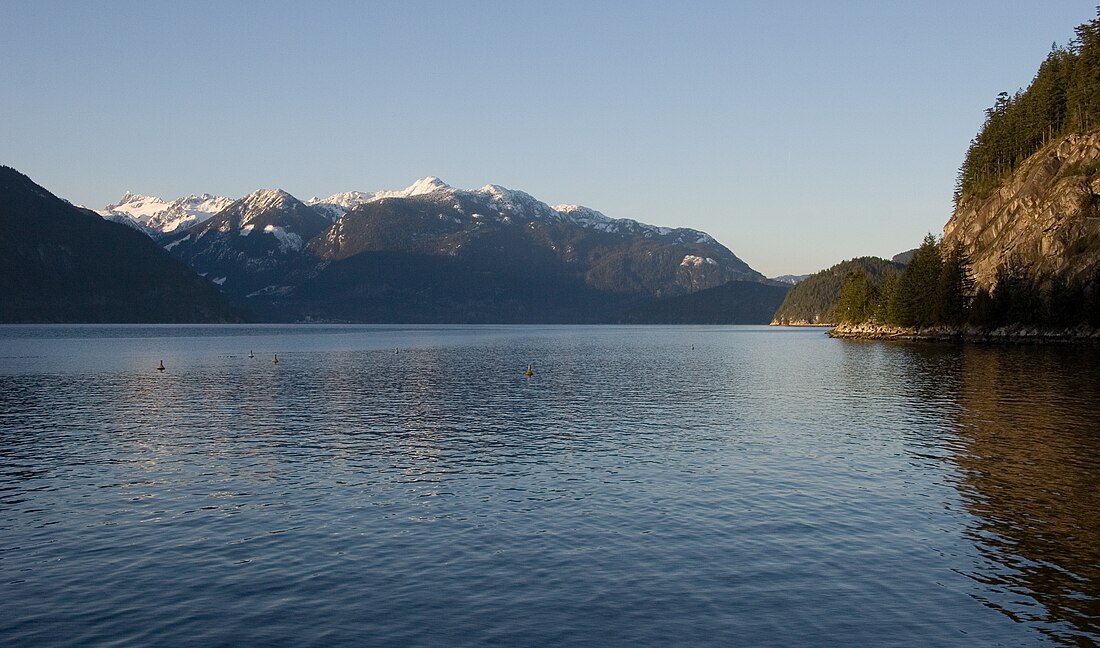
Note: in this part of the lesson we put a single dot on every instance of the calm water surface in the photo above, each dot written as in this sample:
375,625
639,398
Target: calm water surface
769,487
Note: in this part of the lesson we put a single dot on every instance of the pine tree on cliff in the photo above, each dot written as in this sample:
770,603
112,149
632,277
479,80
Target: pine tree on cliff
1084,93
1063,97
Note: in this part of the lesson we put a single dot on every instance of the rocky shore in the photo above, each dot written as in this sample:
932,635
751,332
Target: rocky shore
1015,334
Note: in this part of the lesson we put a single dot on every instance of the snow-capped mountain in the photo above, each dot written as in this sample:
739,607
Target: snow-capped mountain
431,252
339,204
506,201
156,216
252,242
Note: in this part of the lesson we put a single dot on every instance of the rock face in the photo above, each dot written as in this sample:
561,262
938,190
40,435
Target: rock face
1045,216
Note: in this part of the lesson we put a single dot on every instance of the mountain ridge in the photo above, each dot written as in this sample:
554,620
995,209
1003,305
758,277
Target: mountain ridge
280,255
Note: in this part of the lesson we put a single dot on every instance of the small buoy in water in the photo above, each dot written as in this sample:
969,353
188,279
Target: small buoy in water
396,351
161,366
693,347
250,354
530,372
275,359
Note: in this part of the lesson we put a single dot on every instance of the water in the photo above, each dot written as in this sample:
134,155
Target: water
769,487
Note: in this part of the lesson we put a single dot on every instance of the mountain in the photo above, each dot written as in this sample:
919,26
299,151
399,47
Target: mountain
904,257
790,280
254,244
156,216
735,302
1020,255
812,301
433,253
339,204
60,263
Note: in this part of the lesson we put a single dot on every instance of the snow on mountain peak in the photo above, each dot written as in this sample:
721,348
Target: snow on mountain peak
159,216
136,204
580,213
345,199
430,184
262,199
156,215
593,219
421,187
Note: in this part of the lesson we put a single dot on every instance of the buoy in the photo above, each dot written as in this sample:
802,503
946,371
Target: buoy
161,367
275,359
396,351
250,354
693,347
530,372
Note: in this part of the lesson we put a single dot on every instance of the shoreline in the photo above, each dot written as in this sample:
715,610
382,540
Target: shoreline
1012,334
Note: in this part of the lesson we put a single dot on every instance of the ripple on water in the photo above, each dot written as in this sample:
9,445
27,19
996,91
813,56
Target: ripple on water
770,486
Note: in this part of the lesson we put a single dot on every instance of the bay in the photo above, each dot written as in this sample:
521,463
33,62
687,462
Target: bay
408,485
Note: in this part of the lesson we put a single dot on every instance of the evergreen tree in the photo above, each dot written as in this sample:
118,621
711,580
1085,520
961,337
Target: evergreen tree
857,298
887,299
955,287
981,312
917,297
1063,97
1084,90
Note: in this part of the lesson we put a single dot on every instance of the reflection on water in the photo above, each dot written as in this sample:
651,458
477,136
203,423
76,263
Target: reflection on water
1030,461
767,487
1027,449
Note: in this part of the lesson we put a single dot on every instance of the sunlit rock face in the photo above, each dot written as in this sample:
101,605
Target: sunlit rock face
1044,217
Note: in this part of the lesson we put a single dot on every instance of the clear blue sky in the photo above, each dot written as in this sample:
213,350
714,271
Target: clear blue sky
798,134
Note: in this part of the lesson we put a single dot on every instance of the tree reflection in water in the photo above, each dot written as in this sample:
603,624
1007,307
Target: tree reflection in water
1028,456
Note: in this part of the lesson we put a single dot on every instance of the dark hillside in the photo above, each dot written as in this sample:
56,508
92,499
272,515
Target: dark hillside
59,263
736,302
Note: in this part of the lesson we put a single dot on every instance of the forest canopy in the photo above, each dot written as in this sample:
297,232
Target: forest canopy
1063,98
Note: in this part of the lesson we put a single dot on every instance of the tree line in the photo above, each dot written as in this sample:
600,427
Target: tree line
937,288
813,300
1063,98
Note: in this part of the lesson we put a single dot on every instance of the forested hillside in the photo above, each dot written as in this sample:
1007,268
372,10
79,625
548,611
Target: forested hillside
813,300
937,289
1063,98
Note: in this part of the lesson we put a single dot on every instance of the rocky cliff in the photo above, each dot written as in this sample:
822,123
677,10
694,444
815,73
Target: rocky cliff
1045,216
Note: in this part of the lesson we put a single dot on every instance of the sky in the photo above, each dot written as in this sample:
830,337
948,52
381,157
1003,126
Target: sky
798,134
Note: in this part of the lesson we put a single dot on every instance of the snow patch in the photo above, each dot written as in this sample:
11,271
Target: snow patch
287,240
692,260
175,243
246,230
